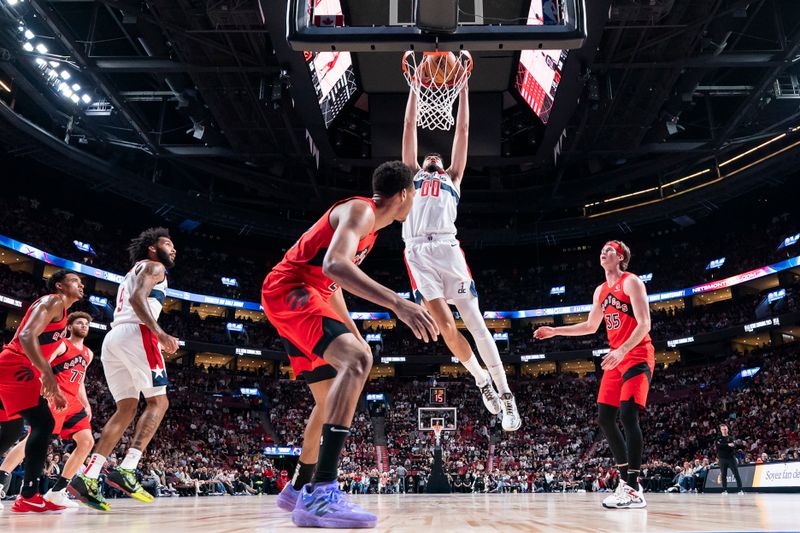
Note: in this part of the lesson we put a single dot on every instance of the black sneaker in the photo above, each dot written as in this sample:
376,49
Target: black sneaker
125,480
87,491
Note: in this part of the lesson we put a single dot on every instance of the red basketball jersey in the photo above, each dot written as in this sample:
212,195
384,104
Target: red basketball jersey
49,340
70,368
618,314
303,261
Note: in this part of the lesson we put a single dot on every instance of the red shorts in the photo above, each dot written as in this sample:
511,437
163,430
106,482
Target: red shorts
71,420
20,386
629,380
307,325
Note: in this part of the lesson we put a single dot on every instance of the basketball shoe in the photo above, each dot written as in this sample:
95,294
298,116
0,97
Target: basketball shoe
325,506
287,499
626,497
511,419
60,498
87,491
490,397
125,480
34,504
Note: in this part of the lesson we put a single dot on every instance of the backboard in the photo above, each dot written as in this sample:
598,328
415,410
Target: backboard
389,25
446,416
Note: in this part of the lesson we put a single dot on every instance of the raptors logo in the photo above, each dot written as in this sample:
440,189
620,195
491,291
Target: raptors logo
24,374
361,255
297,298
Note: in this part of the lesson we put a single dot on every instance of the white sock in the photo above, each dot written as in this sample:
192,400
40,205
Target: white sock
473,319
95,466
131,460
474,366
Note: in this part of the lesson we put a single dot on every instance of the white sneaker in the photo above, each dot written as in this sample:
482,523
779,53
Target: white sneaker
490,398
60,498
511,419
626,497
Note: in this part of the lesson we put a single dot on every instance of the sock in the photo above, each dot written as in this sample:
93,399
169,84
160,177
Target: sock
60,485
95,466
633,478
333,438
473,318
302,474
131,460
477,371
623,472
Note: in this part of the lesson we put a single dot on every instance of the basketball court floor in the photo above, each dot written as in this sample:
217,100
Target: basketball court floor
456,512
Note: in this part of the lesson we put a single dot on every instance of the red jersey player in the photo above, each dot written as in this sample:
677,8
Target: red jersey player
302,298
27,382
620,302
69,366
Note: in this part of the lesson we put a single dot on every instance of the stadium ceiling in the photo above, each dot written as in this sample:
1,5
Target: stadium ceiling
205,100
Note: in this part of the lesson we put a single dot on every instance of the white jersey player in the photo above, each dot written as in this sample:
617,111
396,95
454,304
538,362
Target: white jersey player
134,367
437,266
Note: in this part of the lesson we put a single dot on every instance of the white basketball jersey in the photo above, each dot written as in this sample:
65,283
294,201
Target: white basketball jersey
435,206
123,312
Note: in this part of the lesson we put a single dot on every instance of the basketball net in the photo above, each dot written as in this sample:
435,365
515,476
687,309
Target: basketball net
435,99
437,431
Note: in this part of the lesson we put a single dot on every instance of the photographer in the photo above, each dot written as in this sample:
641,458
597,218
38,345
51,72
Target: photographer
727,459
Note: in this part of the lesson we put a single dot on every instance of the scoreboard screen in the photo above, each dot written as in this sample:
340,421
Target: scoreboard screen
438,395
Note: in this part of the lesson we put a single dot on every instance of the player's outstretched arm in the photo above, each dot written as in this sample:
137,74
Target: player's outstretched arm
410,133
148,275
458,157
576,330
48,309
353,221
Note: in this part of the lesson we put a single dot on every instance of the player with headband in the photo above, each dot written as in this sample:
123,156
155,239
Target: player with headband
627,368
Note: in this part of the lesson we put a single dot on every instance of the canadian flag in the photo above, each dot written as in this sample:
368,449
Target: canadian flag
328,21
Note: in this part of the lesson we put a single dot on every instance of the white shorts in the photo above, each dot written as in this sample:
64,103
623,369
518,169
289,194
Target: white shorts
133,363
438,269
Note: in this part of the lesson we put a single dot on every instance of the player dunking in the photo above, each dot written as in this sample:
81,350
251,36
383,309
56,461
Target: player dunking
437,266
27,382
69,365
627,369
133,366
302,298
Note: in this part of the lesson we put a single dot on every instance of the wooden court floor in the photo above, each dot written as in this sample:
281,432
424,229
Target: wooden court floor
414,513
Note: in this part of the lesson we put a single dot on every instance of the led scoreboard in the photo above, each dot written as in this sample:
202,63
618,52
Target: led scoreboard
438,395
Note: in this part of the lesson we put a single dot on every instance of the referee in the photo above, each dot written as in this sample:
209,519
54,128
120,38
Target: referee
727,460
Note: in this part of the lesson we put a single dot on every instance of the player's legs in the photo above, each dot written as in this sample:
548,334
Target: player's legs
84,441
41,422
112,432
154,411
312,434
15,455
455,341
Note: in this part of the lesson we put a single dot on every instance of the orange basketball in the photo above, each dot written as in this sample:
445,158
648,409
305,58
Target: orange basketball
440,68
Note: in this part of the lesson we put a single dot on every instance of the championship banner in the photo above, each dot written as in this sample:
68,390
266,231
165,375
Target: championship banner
767,477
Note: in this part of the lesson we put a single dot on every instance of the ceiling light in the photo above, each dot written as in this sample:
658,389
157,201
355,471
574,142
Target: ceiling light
28,47
42,49
76,87
29,34
41,62
12,2
55,64
75,98
86,99
6,88
65,74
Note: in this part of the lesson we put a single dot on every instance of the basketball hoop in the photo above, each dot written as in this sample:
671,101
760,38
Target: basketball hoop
438,89
437,425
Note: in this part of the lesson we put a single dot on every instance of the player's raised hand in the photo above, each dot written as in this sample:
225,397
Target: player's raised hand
419,320
544,332
168,343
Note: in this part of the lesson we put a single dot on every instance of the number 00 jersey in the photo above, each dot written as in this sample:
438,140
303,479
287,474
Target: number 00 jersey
435,207
618,314
123,312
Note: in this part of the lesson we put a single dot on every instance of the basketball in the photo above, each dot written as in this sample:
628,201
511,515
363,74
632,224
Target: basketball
440,68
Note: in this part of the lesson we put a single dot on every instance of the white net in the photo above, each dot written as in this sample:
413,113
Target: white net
436,83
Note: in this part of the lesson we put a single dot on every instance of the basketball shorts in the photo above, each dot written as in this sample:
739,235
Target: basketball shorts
71,420
438,269
307,325
629,380
20,386
133,363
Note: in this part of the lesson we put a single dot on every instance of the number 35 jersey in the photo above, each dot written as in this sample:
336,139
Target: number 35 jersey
70,368
618,314
435,207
